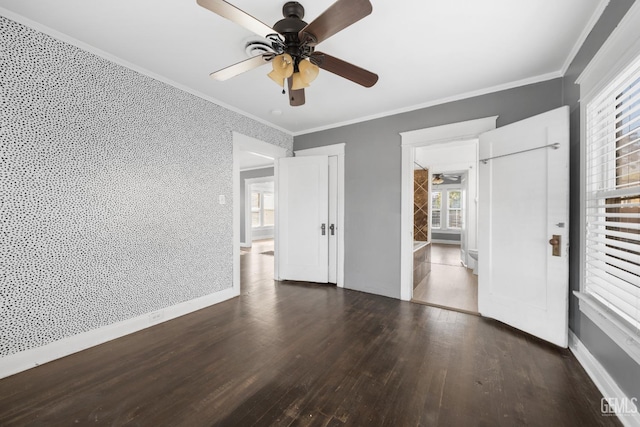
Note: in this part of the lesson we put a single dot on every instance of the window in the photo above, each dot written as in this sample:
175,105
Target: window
454,209
262,209
446,209
612,253
436,208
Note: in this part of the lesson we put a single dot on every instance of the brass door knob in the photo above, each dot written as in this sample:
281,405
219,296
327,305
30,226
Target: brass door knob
555,242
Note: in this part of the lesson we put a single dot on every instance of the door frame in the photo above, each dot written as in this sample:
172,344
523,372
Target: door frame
470,129
243,142
333,150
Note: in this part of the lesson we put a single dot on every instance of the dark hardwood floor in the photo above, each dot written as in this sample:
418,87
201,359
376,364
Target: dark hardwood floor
304,354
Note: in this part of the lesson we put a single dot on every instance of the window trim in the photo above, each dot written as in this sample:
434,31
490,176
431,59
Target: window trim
619,51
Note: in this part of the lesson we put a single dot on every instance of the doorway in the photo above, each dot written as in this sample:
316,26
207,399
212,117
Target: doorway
451,147
445,218
257,160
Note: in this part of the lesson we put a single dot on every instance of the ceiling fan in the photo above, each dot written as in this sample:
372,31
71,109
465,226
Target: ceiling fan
293,41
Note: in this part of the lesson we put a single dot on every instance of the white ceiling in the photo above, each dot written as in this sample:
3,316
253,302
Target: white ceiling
425,52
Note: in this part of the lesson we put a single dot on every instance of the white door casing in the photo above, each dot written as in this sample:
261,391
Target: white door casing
304,218
333,229
523,202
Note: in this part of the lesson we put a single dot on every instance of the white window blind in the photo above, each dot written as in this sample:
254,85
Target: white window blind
612,263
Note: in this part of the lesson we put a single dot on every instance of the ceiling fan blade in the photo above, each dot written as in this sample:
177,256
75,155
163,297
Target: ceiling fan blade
238,16
296,97
337,17
344,69
241,67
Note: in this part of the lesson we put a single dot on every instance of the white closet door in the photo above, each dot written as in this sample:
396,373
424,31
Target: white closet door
304,218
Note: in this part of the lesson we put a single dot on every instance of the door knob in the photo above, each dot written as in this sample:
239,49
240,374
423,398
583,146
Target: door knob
332,228
555,241
323,227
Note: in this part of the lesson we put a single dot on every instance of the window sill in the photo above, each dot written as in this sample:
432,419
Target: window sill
618,331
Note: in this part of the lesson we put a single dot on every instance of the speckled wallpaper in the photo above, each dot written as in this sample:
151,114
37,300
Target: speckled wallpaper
109,184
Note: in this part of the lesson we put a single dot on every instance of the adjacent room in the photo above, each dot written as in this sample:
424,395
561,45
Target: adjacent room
245,213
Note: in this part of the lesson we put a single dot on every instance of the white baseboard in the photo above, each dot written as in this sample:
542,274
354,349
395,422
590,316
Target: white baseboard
245,245
598,374
14,363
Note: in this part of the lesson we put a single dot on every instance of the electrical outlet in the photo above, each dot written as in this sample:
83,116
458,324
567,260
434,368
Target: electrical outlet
222,199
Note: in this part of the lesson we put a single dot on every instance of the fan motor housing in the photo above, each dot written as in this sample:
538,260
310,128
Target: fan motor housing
293,8
293,13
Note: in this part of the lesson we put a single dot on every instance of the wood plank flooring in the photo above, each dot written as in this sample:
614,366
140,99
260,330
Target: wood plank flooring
449,284
309,355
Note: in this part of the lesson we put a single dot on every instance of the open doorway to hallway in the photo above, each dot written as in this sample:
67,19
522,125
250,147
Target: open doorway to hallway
445,219
255,201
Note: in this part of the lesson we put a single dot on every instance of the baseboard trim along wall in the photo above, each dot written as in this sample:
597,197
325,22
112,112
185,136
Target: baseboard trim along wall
623,405
28,359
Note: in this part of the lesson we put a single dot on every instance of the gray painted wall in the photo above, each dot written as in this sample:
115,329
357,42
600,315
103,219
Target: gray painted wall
622,368
109,182
373,170
256,173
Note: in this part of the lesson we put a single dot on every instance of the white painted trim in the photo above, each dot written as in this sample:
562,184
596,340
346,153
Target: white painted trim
117,60
246,143
453,133
606,320
334,150
256,168
617,52
406,223
469,129
12,364
601,378
325,150
466,95
583,36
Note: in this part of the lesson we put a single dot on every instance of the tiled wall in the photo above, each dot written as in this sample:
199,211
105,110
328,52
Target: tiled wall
421,205
109,182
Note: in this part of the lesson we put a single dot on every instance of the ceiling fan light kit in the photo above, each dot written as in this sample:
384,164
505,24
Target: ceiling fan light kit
294,57
282,68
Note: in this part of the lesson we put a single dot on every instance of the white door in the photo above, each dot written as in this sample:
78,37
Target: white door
303,218
523,204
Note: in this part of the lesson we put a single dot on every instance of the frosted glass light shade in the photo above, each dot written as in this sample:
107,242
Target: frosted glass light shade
298,82
308,71
283,65
276,77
